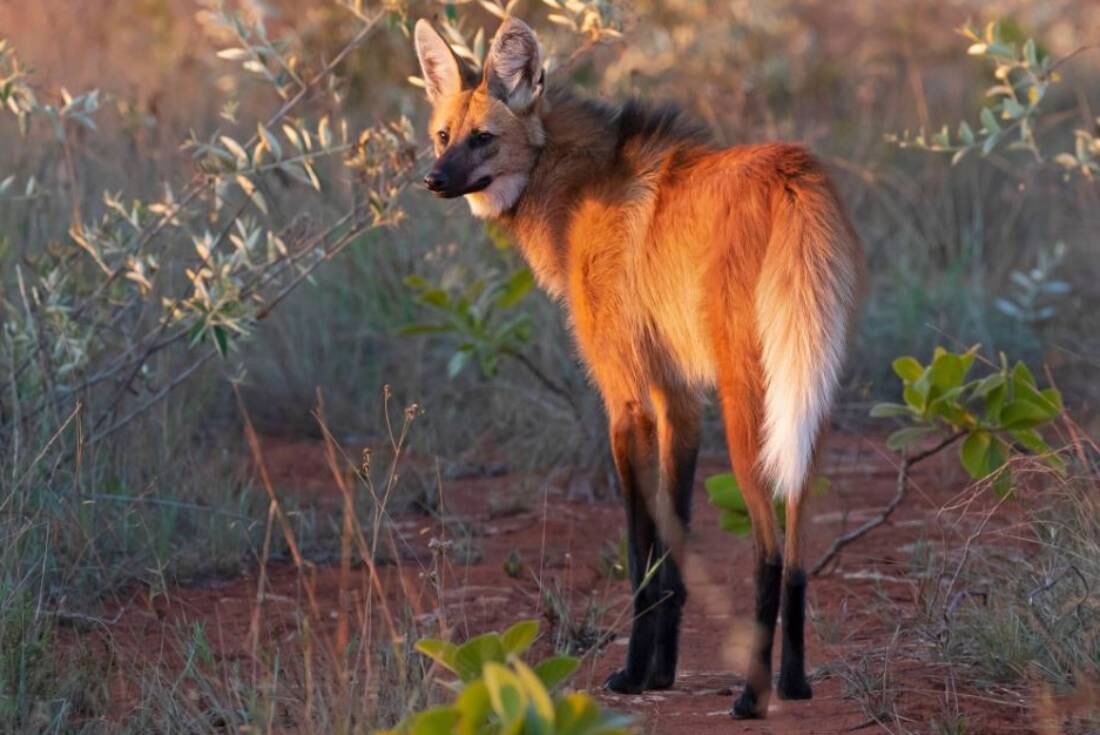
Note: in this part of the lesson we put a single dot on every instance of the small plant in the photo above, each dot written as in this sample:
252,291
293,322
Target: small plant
496,692
487,323
483,318
513,564
725,494
1036,292
614,561
993,416
1023,75
574,633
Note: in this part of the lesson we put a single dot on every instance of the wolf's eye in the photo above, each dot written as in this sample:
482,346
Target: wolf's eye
482,137
443,136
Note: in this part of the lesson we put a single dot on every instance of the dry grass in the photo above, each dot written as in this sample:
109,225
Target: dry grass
169,499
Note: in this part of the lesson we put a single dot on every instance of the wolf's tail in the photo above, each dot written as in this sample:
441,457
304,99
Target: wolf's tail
805,300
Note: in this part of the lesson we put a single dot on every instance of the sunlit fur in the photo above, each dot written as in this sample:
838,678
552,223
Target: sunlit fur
683,267
664,247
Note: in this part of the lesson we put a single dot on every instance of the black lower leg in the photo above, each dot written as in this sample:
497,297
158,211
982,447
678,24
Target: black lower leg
662,673
792,669
753,701
672,589
643,551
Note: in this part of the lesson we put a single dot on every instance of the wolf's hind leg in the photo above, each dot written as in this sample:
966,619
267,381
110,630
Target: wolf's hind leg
792,668
633,446
678,429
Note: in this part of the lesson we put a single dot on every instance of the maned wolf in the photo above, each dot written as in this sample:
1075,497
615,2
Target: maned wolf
683,267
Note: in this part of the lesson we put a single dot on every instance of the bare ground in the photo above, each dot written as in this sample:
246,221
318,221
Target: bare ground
872,664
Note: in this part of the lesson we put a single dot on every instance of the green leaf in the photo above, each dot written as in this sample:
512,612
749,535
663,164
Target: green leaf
988,383
221,340
1053,396
997,455
471,657
541,709
519,637
487,361
1024,415
1031,440
1031,55
990,143
435,721
725,492
989,120
414,329
920,391
1012,109
903,438
948,370
947,406
417,283
556,669
576,713
736,522
1022,374
442,652
889,410
973,453
506,695
436,297
914,399
498,236
457,362
473,703
966,134
518,286
994,403
908,368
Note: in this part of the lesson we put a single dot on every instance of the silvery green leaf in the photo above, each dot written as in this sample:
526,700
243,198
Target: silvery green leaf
1021,280
1009,308
1056,287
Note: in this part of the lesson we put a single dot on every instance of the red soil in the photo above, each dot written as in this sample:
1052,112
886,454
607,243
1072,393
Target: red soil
864,605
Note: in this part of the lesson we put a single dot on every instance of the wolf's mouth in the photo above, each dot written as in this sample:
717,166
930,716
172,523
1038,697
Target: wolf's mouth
479,185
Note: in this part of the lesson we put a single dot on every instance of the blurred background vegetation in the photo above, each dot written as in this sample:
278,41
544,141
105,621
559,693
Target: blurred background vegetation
112,476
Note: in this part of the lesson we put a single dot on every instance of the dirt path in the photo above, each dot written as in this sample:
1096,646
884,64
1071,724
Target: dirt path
563,546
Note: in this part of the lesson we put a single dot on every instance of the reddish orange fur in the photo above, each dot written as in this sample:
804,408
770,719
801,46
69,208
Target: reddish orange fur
674,260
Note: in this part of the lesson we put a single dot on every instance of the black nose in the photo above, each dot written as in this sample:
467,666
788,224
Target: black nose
435,181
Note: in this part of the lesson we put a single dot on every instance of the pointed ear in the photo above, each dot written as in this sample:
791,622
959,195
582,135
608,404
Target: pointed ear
438,64
513,70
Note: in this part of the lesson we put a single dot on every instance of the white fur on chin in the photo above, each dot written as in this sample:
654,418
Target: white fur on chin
498,197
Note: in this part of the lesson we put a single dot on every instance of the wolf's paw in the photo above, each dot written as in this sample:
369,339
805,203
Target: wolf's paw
794,687
622,683
657,682
748,706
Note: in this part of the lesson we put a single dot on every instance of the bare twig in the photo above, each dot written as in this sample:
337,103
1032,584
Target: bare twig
899,495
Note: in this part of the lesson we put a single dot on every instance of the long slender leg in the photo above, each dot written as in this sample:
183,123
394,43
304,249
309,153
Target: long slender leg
740,391
792,669
678,429
633,446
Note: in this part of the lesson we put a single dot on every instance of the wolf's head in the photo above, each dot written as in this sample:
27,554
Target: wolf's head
487,133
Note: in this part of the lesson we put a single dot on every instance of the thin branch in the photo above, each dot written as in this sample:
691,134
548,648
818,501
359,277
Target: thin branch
544,379
157,398
899,495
